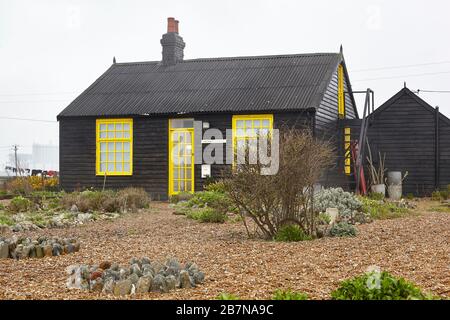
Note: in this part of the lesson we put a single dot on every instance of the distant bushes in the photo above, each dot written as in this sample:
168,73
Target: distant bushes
20,204
28,184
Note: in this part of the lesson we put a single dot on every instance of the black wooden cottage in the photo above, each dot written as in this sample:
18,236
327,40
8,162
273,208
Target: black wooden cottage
414,136
120,131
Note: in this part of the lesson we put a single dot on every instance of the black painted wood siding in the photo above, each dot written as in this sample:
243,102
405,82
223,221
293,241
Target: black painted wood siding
328,127
78,156
150,151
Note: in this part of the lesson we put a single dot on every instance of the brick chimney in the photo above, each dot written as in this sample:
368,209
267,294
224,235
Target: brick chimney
172,44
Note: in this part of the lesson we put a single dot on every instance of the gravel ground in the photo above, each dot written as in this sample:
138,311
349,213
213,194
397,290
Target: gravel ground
416,247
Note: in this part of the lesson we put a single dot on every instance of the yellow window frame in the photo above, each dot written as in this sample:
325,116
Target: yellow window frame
114,140
251,118
341,98
171,169
347,157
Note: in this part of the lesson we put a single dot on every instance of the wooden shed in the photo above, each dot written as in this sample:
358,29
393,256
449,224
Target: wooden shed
414,136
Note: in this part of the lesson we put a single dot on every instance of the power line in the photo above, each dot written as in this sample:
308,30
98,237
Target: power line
402,66
433,91
28,119
34,94
403,76
31,101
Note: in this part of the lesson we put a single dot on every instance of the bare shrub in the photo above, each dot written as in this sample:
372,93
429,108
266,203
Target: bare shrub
133,198
273,201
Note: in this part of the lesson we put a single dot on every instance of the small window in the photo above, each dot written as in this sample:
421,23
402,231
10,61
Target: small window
341,98
114,147
347,159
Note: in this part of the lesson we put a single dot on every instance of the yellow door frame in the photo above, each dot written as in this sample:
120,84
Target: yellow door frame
171,145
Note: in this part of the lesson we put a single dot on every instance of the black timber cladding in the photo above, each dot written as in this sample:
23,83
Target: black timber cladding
150,151
404,129
241,84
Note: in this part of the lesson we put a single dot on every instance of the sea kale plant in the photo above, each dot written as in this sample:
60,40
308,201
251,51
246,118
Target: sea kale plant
347,203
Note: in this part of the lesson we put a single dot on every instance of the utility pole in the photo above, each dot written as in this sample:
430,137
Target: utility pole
15,158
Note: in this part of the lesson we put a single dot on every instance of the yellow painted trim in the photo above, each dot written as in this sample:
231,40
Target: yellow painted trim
347,156
341,99
114,140
252,117
171,191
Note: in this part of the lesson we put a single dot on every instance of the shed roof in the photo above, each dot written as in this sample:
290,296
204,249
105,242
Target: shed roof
236,84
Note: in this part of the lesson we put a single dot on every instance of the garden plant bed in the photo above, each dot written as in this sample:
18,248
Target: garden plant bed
415,247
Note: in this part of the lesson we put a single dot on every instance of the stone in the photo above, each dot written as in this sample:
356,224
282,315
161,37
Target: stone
84,217
185,280
174,264
39,251
333,213
76,246
134,278
74,208
198,277
32,253
193,269
97,285
159,284
122,287
171,282
4,250
57,249
145,261
123,273
136,269
144,284
157,266
147,270
96,274
108,286
18,252
69,248
105,265
48,250
114,267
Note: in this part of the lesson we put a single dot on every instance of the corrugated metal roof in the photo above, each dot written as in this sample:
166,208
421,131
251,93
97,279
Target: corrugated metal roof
240,84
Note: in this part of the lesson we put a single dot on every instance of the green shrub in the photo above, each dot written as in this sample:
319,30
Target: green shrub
213,199
436,195
444,194
346,203
217,186
180,197
378,286
343,229
5,219
410,196
227,296
207,215
291,232
2,206
20,204
289,295
133,198
324,218
375,196
382,209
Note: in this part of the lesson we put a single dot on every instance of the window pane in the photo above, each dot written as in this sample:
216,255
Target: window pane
119,166
188,186
118,146
119,134
266,123
110,146
103,127
175,186
240,132
110,134
110,167
102,134
103,146
126,167
126,126
118,127
188,172
239,123
126,156
110,156
175,173
257,123
118,156
102,156
126,146
102,167
111,127
181,185
248,123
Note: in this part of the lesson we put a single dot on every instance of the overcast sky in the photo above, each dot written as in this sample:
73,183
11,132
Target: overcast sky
50,51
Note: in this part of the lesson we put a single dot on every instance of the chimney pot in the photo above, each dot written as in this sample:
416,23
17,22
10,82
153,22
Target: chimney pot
176,26
171,25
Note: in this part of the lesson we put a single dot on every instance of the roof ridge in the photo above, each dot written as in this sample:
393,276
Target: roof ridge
237,58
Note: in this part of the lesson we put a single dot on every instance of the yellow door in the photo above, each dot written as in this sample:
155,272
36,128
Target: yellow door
181,156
